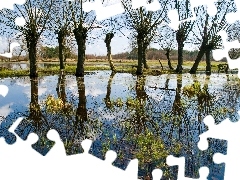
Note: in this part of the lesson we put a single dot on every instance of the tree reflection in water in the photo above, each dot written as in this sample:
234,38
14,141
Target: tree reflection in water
142,126
72,123
107,99
35,121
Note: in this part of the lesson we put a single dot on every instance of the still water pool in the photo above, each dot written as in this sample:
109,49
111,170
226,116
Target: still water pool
144,117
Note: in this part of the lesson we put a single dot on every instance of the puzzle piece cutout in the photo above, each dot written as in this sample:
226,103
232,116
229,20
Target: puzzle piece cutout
109,161
229,131
129,173
57,161
101,11
20,21
18,155
12,46
3,90
180,162
43,145
32,138
117,8
157,174
219,54
232,17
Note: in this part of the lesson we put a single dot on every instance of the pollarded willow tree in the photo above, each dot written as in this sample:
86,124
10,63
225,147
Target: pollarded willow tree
83,23
207,36
60,24
36,15
166,38
143,25
184,29
113,28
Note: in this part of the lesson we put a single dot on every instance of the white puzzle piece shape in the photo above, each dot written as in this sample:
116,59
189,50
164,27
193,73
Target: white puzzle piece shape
228,131
3,90
180,162
101,11
174,17
218,54
27,163
232,17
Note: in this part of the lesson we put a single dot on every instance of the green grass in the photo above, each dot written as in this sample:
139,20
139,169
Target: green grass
124,66
13,73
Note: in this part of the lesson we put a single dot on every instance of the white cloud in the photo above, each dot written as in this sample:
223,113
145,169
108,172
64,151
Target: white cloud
5,110
42,90
23,84
94,92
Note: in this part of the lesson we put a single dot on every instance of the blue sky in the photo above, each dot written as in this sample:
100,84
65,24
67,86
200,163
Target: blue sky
119,43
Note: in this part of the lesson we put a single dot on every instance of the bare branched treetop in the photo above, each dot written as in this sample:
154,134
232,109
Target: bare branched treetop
207,26
142,21
60,17
78,16
35,13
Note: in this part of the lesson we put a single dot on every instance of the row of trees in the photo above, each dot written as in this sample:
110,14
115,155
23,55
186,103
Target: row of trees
67,21
46,53
154,54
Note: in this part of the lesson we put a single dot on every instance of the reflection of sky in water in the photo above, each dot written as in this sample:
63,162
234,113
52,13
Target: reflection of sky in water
123,86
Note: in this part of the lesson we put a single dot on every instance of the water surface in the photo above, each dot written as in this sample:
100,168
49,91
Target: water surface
148,117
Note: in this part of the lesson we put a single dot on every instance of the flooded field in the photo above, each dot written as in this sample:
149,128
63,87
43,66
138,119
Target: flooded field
144,117
25,66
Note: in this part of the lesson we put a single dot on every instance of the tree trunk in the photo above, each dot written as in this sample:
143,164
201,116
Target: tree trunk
61,88
81,114
202,50
81,60
207,98
208,61
61,49
82,110
178,110
109,86
18,58
80,35
141,97
167,81
180,41
140,56
35,114
32,49
34,90
198,59
168,58
9,50
161,64
108,39
144,56
180,57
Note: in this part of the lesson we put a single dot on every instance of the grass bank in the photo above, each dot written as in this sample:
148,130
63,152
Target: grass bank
123,66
